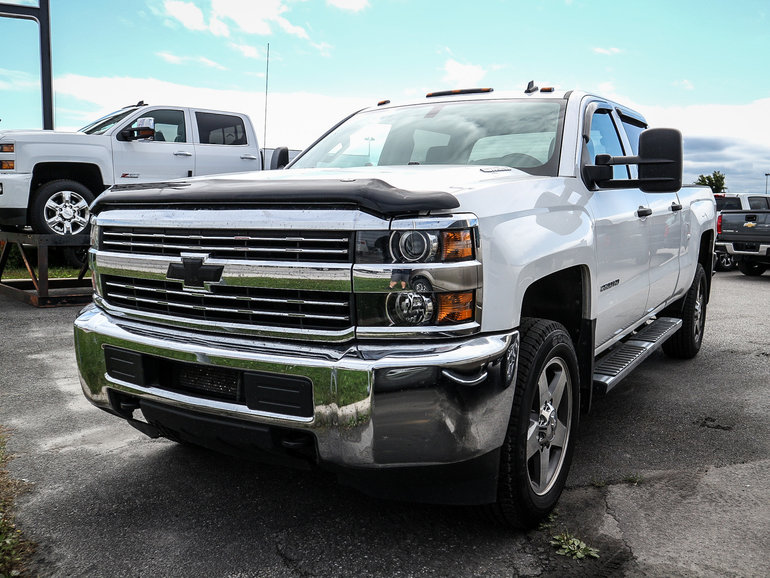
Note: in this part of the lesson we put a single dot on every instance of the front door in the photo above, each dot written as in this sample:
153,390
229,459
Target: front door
169,155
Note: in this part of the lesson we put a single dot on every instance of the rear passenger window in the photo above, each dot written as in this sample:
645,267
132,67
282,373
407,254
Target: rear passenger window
728,203
758,203
220,129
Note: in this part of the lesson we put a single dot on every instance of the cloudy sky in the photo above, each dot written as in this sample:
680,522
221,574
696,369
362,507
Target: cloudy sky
697,65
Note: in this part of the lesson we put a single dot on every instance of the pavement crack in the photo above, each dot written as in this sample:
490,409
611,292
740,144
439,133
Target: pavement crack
290,563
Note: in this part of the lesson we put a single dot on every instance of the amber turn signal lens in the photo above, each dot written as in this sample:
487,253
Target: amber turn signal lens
455,307
7,165
457,245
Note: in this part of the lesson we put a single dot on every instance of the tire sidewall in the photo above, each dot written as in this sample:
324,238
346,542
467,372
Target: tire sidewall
557,344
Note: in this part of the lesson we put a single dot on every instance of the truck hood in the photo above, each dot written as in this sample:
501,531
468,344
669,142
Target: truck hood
384,191
47,136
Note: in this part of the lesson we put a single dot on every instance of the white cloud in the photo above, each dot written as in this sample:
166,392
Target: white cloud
256,17
684,83
324,49
608,51
246,50
247,16
187,13
218,28
17,80
290,28
174,59
352,5
460,75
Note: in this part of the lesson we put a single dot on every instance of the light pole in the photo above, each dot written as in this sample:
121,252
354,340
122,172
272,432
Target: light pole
766,175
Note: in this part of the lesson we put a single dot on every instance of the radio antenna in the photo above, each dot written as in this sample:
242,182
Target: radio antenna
267,78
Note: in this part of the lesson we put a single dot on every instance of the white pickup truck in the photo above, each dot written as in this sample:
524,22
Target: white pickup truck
49,178
423,302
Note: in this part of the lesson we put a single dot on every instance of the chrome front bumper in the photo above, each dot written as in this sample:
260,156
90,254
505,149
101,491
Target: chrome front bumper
374,406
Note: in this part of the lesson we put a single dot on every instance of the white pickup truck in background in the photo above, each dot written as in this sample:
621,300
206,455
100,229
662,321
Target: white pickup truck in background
49,178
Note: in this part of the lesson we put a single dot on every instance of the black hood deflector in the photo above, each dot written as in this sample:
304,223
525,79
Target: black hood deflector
370,195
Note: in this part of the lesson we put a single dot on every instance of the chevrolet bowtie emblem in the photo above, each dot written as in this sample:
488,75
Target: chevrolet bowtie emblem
750,224
193,273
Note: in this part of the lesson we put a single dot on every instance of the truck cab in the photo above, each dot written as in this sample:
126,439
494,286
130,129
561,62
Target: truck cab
49,178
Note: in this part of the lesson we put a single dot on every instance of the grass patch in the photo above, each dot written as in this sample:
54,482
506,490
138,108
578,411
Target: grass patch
53,273
15,550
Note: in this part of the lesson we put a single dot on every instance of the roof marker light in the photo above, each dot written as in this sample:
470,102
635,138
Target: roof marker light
458,91
383,102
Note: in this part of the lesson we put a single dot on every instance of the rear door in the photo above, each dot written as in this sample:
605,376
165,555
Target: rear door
225,144
663,225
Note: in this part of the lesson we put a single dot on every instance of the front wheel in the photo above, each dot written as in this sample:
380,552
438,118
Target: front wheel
751,269
537,452
61,208
686,342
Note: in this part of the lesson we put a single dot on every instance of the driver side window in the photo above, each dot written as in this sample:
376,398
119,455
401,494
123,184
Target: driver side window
604,139
169,125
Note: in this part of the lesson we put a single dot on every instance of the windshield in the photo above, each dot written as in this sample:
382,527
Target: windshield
514,133
107,122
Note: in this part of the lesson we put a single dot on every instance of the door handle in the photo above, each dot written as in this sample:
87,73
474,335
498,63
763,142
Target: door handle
676,207
182,154
644,212
248,157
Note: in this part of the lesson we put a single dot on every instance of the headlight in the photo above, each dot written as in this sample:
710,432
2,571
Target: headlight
414,246
6,148
421,277
7,165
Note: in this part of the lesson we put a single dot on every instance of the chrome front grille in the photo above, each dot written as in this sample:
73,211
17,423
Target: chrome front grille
263,245
290,308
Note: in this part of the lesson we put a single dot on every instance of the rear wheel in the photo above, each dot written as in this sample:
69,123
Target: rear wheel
751,269
61,208
537,452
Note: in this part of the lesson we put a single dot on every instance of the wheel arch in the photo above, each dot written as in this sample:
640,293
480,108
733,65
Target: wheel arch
87,174
565,297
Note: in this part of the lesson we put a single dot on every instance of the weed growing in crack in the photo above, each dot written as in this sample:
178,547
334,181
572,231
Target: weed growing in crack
572,547
633,479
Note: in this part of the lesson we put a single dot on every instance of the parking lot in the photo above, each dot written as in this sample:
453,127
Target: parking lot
671,478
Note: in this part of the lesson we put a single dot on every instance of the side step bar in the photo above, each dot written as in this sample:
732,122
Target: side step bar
617,364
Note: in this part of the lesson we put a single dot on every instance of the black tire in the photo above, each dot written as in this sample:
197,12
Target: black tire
75,257
61,208
686,342
751,269
538,447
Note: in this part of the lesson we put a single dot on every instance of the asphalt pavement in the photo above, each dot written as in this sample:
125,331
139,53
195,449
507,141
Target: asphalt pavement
671,477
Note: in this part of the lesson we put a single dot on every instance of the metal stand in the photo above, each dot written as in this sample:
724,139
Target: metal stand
39,290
